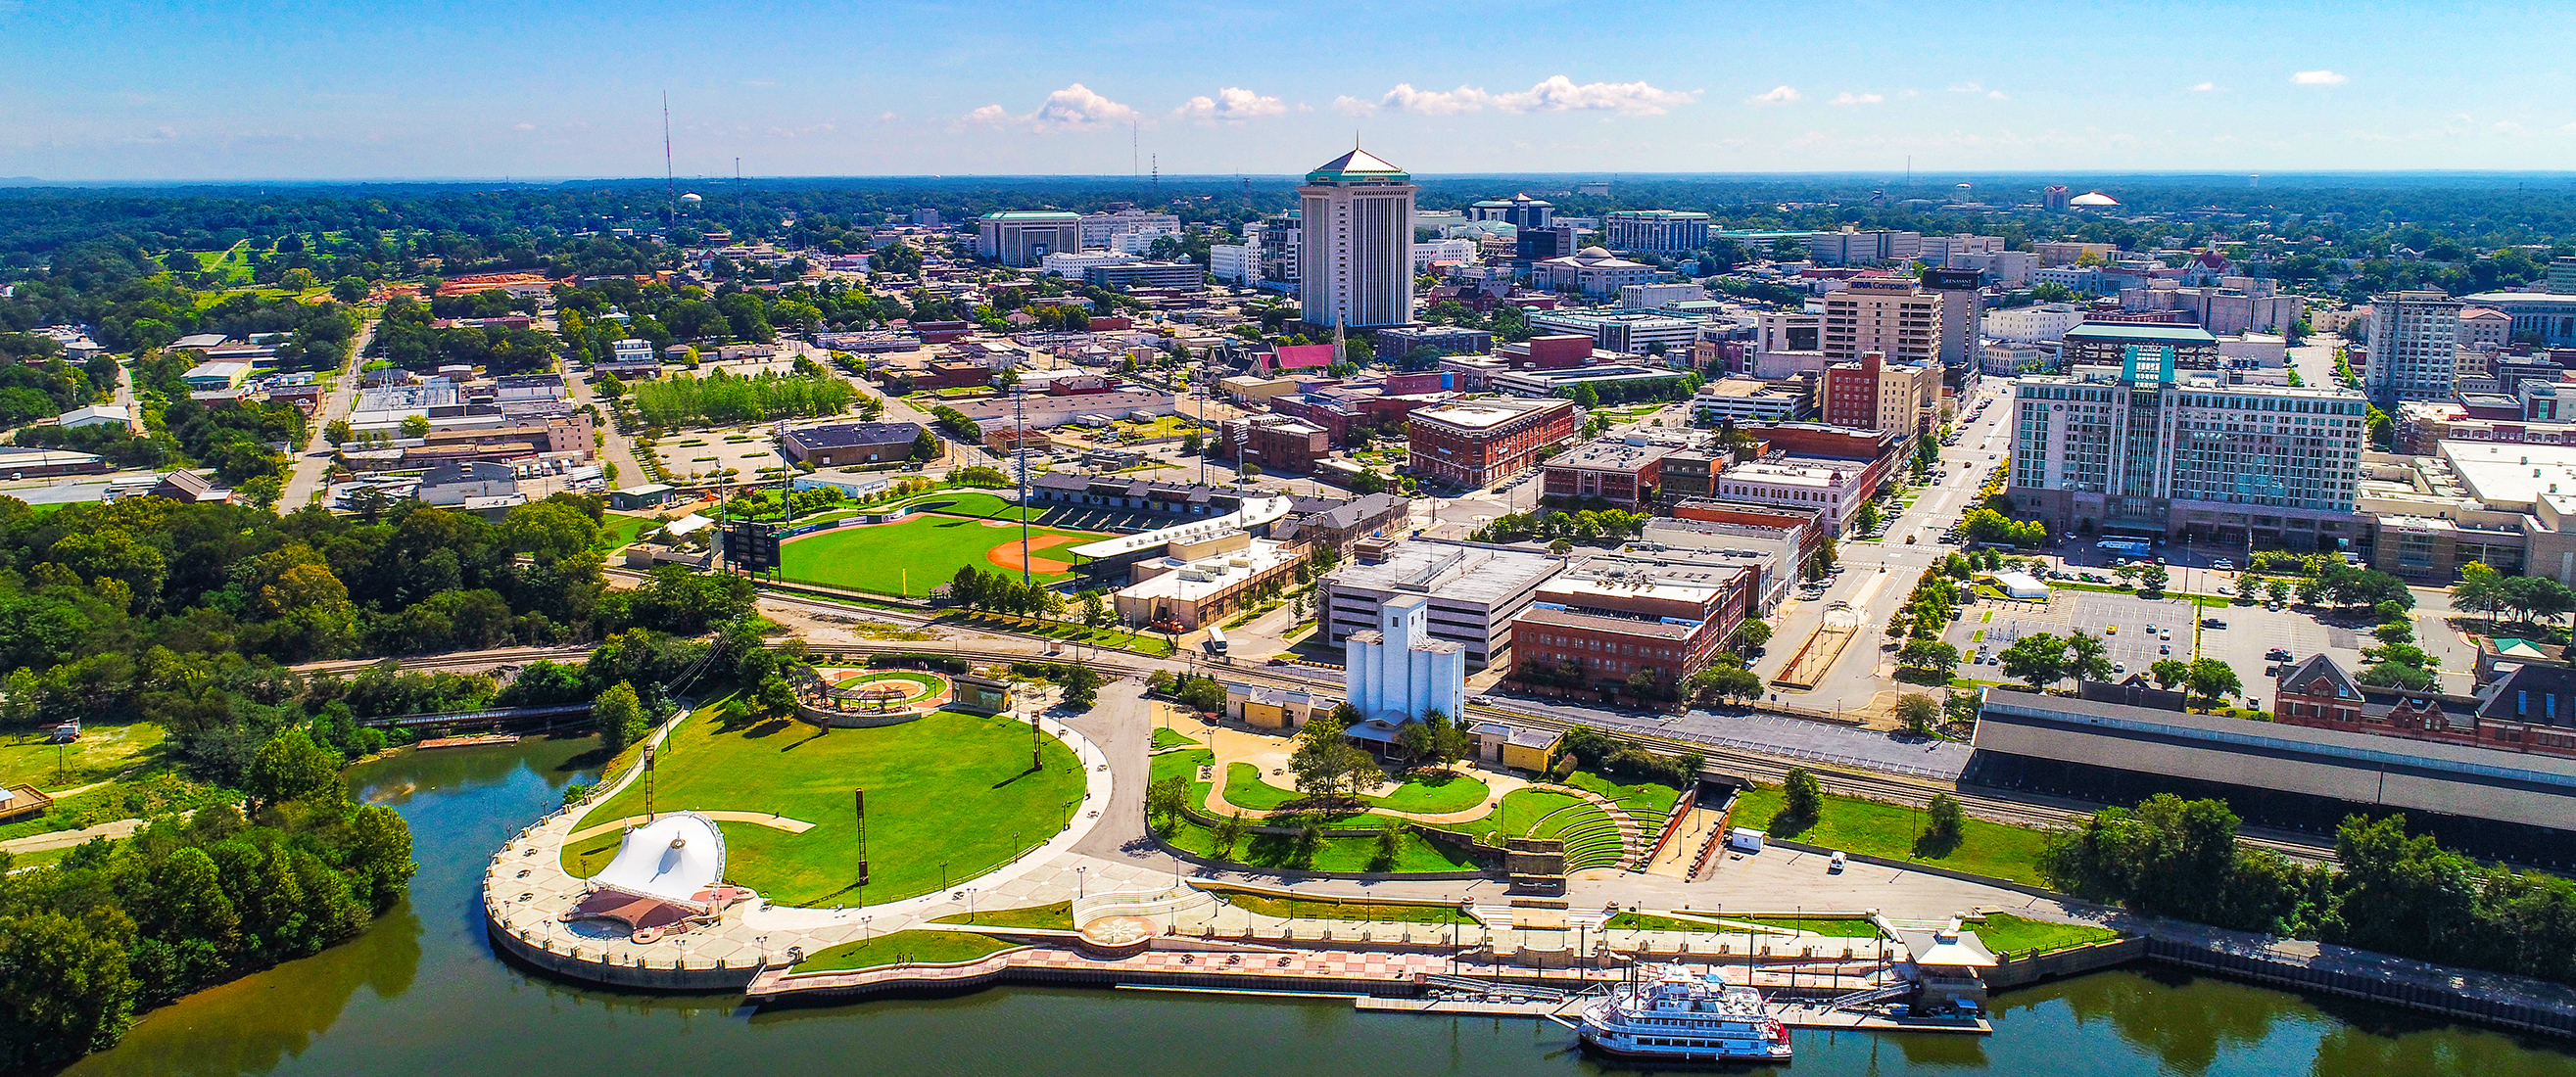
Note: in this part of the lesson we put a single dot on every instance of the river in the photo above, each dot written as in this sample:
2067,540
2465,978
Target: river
421,993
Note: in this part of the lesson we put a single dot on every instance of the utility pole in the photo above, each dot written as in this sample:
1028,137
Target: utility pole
670,176
1020,443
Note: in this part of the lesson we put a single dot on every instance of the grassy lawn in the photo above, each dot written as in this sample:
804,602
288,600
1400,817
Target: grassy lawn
1434,792
1373,912
101,753
1647,797
912,557
1332,853
1066,631
948,796
624,529
1887,830
1058,916
1839,927
2004,931
1519,812
1245,789
1185,765
1172,738
921,947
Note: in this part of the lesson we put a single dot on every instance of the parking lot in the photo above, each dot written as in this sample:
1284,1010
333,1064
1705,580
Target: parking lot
2149,630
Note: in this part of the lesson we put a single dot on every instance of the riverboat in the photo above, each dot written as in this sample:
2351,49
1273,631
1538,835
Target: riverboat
1673,1015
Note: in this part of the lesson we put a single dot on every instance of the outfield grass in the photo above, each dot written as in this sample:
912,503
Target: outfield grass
920,947
948,796
911,557
1058,916
1888,830
1366,912
2003,931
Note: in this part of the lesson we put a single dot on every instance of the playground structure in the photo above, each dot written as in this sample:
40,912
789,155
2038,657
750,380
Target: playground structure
1808,667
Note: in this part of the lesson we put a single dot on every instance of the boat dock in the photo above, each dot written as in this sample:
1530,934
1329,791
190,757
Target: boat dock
1794,1015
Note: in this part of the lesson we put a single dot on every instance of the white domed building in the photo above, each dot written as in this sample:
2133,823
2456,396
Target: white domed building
2092,200
1592,271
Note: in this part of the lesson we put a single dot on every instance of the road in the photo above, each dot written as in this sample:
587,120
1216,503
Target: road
614,448
305,474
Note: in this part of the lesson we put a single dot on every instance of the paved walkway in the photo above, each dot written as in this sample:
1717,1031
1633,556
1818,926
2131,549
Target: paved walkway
64,839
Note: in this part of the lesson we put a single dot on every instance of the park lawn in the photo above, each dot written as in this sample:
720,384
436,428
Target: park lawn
1887,830
1333,853
950,796
1058,917
1517,813
911,557
1652,798
2004,931
101,753
1434,792
1245,789
1646,921
916,946
1185,766
1364,911
1172,738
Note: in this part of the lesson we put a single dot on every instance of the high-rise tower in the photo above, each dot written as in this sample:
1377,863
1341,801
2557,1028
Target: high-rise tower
1357,265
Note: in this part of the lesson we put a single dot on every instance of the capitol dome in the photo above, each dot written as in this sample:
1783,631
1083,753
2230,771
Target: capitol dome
2093,200
1593,252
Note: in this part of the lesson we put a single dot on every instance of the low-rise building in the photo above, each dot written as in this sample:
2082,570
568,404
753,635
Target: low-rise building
459,483
1203,581
1745,400
1279,444
1833,488
1472,590
1626,476
1593,271
1601,623
2530,708
1477,443
844,444
1628,332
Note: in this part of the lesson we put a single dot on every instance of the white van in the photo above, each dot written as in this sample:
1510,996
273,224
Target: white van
1744,839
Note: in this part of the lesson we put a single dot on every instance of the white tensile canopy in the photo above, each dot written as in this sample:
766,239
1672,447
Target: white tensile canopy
673,858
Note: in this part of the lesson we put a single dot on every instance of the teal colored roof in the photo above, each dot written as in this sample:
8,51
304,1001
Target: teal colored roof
2183,334
1033,215
1358,164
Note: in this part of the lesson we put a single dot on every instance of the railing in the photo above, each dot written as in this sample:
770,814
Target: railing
495,714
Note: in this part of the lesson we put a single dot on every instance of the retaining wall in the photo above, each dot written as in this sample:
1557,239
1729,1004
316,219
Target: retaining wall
693,977
2060,963
2448,1002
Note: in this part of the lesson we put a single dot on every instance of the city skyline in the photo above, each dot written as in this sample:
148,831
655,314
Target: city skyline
469,90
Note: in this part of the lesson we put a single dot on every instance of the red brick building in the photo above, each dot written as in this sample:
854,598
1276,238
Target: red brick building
1476,443
1626,476
1282,445
1597,632
2532,708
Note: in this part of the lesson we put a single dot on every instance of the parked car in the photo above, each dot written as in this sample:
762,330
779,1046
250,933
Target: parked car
2212,622
2223,563
1836,864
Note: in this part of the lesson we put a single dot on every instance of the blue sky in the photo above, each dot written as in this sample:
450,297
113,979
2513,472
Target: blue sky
425,89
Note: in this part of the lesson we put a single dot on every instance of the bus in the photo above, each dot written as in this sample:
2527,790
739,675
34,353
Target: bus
1216,640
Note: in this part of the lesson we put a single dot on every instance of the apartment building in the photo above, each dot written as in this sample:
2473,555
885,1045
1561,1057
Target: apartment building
1098,229
1599,624
1854,248
2042,322
2413,338
1624,475
2138,450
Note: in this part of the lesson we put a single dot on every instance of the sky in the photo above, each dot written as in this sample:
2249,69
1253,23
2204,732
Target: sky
423,89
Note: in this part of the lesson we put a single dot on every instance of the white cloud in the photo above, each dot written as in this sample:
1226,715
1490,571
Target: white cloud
1556,94
1849,98
800,132
1966,87
1998,95
1351,106
1073,108
2319,78
524,127
886,115
2204,87
1779,95
1232,104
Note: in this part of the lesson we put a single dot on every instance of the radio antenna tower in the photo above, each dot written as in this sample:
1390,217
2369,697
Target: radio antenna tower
670,176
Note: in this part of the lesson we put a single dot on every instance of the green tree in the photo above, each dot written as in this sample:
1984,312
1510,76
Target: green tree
1752,636
290,768
620,718
2168,672
337,432
1943,825
1081,686
1918,713
2086,657
1324,762
2210,681
1931,656
415,426
1802,800
1165,799
1229,833
349,289
2038,660
925,446
68,988
1390,847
